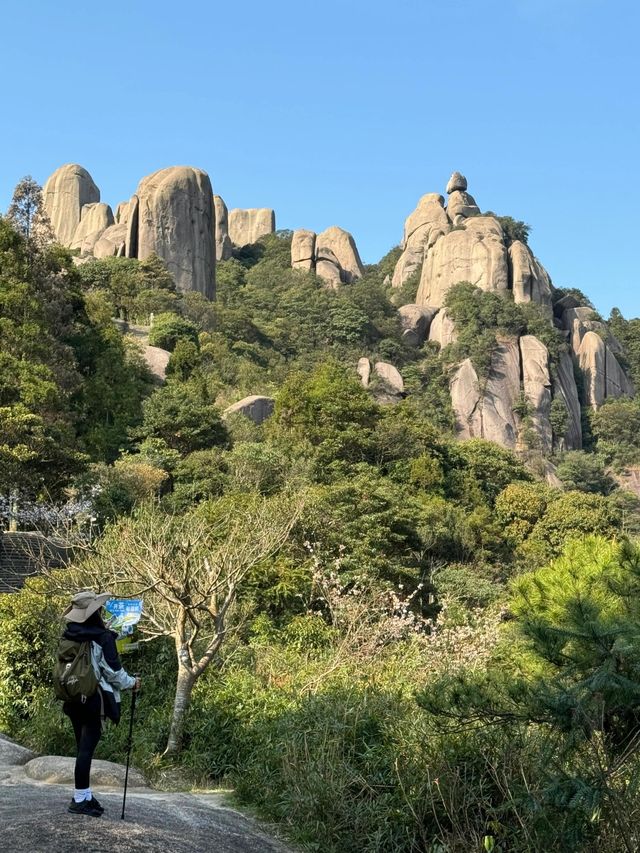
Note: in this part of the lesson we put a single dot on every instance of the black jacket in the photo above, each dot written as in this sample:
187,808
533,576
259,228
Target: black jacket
106,639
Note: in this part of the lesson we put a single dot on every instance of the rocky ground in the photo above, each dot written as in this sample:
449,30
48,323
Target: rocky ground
34,817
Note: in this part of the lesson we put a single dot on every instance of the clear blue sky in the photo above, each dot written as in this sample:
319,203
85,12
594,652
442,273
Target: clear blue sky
347,112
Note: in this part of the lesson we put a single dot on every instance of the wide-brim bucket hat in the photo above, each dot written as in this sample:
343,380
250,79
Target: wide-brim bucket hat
84,604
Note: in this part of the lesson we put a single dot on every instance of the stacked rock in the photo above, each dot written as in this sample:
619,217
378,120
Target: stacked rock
460,203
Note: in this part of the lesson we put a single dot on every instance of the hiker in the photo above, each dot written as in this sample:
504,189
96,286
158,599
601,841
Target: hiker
87,713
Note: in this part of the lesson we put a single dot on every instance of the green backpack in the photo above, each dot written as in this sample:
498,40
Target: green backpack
74,678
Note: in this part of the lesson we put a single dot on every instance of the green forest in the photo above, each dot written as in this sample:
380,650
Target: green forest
377,636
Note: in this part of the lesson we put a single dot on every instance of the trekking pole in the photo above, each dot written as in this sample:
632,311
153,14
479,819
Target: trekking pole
129,743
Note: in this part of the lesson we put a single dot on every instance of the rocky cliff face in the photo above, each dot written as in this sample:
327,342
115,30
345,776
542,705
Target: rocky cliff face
175,215
176,222
453,243
332,255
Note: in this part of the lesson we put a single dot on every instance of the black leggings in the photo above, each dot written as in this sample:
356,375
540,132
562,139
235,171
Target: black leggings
87,728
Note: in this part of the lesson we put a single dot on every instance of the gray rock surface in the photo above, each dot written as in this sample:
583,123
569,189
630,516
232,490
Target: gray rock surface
461,204
176,222
536,382
502,390
391,377
565,389
303,250
415,323
133,219
94,219
64,194
530,281
476,253
247,226
343,246
490,414
423,227
465,400
112,242
157,360
364,370
12,754
442,329
577,322
328,266
122,213
34,818
457,181
59,769
224,246
256,407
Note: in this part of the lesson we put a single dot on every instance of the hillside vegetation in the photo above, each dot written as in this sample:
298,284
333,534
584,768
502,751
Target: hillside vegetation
405,642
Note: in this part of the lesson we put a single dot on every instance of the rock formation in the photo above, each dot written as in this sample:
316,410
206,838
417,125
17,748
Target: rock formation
176,222
391,377
415,323
332,255
256,408
474,253
442,329
112,242
343,247
247,226
364,370
95,218
224,246
566,390
64,195
529,279
603,376
536,383
423,227
303,250
490,413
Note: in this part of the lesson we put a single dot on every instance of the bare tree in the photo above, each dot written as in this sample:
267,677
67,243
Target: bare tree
189,570
27,212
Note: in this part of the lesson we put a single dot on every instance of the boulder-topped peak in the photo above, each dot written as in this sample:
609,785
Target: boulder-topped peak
457,182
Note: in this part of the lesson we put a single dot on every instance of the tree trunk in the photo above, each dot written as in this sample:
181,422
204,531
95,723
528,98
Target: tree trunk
184,686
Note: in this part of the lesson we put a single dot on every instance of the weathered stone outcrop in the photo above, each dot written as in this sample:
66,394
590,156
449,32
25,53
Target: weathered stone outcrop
566,390
303,250
529,279
224,246
391,377
332,255
415,323
255,407
577,322
364,370
133,217
94,219
489,415
342,246
247,226
536,382
328,266
64,195
460,206
423,227
475,253
176,222
122,213
157,360
442,329
603,376
465,400
112,242
456,182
